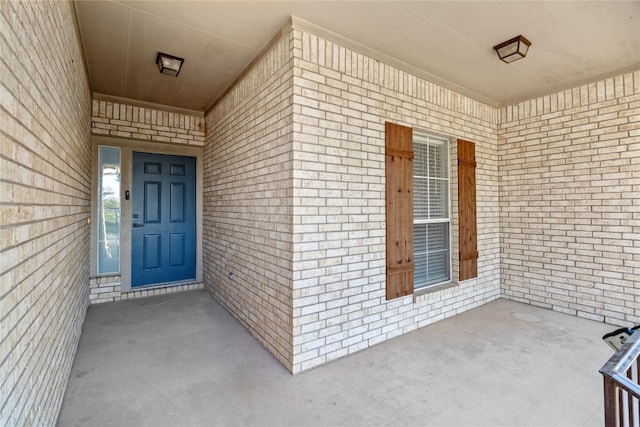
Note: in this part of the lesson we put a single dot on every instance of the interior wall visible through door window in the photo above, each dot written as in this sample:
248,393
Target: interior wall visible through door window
108,210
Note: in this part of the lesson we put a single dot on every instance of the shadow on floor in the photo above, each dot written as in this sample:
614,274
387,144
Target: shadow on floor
182,360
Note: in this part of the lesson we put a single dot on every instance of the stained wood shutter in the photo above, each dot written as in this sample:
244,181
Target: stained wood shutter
399,209
467,210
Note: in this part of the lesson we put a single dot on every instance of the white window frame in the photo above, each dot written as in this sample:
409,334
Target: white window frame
448,220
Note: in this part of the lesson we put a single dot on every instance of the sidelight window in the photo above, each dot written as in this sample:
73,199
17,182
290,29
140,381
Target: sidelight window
108,210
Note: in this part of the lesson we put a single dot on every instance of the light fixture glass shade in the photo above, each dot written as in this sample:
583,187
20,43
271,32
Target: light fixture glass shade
169,64
513,49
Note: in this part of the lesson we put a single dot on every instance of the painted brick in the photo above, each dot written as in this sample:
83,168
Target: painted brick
247,219
581,238
46,190
133,122
107,289
352,106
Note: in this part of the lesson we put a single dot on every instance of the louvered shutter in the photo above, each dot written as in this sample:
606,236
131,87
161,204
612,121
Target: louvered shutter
399,210
467,210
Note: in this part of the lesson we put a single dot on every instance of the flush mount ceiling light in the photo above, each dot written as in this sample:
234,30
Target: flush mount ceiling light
169,64
513,49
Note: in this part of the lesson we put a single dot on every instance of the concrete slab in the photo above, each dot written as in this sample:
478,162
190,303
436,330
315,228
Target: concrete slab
182,360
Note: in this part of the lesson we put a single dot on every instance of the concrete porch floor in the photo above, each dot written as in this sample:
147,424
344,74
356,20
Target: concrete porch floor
182,360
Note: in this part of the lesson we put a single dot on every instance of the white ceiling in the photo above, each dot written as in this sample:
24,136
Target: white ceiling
449,42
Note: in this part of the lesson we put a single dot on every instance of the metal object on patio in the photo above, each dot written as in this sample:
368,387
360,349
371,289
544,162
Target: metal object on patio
622,379
618,337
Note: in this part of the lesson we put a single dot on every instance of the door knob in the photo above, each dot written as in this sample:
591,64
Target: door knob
137,225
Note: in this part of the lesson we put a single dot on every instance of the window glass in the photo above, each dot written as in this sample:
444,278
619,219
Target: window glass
431,228
108,210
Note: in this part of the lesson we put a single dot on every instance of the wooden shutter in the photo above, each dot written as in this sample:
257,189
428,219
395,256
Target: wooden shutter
467,210
399,204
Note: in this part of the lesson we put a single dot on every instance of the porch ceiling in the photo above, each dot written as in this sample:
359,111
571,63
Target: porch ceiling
449,42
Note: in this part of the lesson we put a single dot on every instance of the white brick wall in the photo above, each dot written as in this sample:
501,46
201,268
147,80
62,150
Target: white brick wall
570,200
45,184
247,201
108,289
341,101
294,199
146,124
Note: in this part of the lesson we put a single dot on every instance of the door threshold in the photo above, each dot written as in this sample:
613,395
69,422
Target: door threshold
162,285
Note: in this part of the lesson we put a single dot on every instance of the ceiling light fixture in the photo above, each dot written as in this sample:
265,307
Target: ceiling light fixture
169,64
513,49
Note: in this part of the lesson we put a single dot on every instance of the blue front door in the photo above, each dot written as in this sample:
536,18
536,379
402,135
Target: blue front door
163,238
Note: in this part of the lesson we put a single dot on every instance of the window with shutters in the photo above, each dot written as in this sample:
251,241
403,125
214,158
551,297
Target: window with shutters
431,210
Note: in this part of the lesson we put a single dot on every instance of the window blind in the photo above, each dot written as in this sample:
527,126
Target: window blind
431,217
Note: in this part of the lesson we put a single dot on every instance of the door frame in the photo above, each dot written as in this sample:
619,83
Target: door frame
127,147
